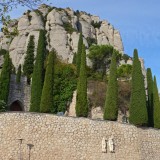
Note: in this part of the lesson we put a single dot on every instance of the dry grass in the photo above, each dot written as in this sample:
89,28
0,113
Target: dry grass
97,94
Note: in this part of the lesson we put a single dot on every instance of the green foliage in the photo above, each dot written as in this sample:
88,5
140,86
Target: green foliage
46,105
3,52
81,99
29,59
5,78
74,59
100,55
150,97
68,27
111,103
79,52
91,41
96,24
156,104
3,106
124,70
138,110
125,57
64,84
38,74
18,76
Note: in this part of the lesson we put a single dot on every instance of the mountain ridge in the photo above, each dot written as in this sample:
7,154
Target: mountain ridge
62,28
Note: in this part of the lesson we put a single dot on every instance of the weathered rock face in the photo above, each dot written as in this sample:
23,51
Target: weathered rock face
62,32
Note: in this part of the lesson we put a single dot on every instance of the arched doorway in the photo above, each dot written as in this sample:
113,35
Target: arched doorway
16,106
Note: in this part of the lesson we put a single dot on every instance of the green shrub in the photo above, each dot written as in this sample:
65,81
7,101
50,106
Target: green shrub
124,71
96,24
3,106
65,83
68,27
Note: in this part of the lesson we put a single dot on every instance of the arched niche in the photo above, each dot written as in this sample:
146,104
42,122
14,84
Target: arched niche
16,106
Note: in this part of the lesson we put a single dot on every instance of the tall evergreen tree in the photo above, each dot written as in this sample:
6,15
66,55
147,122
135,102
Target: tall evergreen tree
111,103
29,59
81,99
38,74
18,76
74,58
79,52
138,109
156,104
5,78
46,105
150,97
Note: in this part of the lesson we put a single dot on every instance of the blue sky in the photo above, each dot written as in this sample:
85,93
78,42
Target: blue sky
137,20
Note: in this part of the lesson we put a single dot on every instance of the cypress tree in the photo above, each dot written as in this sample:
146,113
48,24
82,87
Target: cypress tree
138,109
29,59
5,78
46,105
156,104
111,103
79,52
38,74
74,58
18,76
81,99
150,97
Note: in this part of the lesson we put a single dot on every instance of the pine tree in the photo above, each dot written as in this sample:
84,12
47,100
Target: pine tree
81,99
156,104
150,97
111,103
18,76
38,74
46,105
29,59
5,78
79,52
138,109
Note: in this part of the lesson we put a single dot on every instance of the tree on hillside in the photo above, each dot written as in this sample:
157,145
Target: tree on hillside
79,52
138,109
5,78
29,59
100,56
111,102
150,97
156,104
81,99
38,74
46,105
18,76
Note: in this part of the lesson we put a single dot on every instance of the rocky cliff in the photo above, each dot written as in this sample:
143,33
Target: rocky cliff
62,32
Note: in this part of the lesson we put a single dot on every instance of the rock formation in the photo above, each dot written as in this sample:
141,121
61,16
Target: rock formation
62,32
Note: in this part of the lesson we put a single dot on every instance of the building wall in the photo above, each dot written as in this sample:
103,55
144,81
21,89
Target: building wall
68,138
19,91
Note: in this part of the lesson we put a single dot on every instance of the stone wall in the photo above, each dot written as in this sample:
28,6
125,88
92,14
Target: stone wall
19,92
68,138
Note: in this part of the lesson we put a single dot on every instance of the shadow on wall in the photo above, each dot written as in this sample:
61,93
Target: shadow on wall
16,106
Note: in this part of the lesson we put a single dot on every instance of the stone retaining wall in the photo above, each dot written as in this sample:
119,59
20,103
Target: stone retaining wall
67,138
